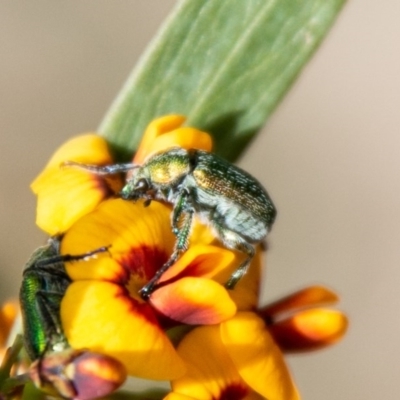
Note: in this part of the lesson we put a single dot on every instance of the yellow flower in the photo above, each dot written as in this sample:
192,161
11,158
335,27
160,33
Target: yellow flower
103,298
241,358
101,310
233,349
237,359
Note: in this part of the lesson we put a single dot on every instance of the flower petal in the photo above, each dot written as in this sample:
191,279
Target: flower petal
311,296
77,374
256,357
193,301
218,263
177,396
140,241
201,233
95,375
156,128
211,374
101,317
186,137
65,197
165,132
8,313
88,148
309,330
200,260
247,290
66,194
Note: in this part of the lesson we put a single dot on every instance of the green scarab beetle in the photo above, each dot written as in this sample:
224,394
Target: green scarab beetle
56,367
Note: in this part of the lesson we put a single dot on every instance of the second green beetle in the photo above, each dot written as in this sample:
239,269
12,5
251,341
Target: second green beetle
224,196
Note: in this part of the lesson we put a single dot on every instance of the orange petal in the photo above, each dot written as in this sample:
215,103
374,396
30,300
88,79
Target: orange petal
156,128
66,194
257,357
8,313
311,296
186,137
101,317
200,260
193,301
165,132
218,263
309,330
140,241
211,374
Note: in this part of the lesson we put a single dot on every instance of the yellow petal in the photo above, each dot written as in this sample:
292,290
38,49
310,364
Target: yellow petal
193,301
66,197
165,132
211,374
101,317
246,292
66,194
140,241
309,330
88,149
201,233
257,358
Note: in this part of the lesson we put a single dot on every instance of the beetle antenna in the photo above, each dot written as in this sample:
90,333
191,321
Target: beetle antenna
101,170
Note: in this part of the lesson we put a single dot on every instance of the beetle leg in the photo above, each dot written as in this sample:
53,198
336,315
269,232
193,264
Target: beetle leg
179,208
235,242
104,170
47,262
180,246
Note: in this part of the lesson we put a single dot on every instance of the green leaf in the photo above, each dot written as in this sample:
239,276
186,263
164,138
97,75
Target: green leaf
225,64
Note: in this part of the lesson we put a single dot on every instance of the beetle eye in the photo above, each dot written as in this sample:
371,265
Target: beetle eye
141,185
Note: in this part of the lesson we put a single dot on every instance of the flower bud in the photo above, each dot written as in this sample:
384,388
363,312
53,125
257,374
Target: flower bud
77,374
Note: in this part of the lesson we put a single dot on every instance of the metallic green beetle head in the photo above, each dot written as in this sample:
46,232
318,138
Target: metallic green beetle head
162,171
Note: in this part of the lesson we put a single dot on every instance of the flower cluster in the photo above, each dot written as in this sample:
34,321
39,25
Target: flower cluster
230,348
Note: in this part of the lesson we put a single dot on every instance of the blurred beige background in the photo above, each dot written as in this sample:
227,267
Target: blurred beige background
329,157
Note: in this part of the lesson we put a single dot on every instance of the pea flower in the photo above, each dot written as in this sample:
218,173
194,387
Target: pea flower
241,358
233,350
103,297
8,313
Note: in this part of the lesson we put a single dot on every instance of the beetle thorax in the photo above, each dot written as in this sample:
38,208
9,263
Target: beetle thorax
167,169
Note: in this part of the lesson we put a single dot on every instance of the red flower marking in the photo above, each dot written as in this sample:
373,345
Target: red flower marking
233,392
143,261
